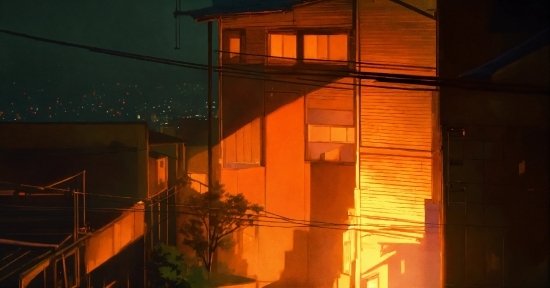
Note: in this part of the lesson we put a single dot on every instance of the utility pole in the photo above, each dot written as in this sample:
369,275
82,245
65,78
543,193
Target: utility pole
209,135
210,104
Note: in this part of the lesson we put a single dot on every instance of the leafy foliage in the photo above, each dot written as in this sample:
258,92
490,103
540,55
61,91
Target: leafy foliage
212,217
167,267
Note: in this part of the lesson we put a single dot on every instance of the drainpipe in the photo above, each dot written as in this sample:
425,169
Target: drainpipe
357,192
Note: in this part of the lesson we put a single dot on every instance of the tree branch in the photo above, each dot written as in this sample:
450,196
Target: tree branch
228,232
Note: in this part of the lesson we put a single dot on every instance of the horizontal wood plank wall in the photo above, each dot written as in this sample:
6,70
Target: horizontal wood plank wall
396,125
325,14
394,35
335,96
396,119
394,189
255,44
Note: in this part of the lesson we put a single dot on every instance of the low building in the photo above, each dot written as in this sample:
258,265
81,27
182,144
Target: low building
101,194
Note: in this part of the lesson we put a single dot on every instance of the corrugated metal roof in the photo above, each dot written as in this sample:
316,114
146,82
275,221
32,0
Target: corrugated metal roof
223,8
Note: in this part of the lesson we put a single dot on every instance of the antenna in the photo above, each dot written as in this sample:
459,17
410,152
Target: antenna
177,24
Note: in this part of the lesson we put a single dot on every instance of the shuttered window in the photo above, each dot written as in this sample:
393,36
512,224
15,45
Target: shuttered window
244,146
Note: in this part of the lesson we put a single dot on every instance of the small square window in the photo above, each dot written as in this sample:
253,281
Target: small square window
233,45
234,48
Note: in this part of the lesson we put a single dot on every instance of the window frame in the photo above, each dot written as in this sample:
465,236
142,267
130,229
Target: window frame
241,165
162,163
327,32
300,48
282,61
226,38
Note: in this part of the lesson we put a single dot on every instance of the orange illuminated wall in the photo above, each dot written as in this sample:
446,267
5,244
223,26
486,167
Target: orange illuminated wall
396,160
111,239
396,125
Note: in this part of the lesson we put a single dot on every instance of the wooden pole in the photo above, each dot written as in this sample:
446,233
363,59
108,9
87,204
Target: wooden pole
209,133
210,104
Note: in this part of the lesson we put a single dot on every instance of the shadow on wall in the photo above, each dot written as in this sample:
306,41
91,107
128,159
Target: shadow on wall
332,187
526,212
292,275
245,100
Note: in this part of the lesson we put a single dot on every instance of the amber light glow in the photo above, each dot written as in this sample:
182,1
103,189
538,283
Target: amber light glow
282,45
234,47
326,47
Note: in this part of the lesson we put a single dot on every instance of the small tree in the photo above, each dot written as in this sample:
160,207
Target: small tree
212,216
167,267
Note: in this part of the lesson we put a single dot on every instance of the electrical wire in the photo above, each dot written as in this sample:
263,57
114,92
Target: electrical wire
395,78
296,222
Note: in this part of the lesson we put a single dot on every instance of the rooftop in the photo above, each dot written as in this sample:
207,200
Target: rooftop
222,8
157,138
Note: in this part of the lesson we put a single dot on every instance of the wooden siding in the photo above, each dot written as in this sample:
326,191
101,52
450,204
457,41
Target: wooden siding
394,189
255,45
335,96
392,34
396,119
396,125
325,14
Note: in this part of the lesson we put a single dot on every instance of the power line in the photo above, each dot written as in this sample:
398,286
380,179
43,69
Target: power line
375,64
306,223
381,77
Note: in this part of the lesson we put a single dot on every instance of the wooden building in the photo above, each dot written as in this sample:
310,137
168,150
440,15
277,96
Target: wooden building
311,133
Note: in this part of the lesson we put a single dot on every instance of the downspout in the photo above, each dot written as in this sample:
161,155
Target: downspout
442,188
357,104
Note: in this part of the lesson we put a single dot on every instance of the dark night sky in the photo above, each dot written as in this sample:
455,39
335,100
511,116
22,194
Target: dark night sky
139,26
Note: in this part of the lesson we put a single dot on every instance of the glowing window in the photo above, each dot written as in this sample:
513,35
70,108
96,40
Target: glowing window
326,47
233,45
234,48
161,169
318,133
282,45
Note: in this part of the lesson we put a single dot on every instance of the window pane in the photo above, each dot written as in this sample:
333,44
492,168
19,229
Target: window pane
338,47
289,46
276,45
322,47
319,133
234,46
351,134
310,46
338,134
